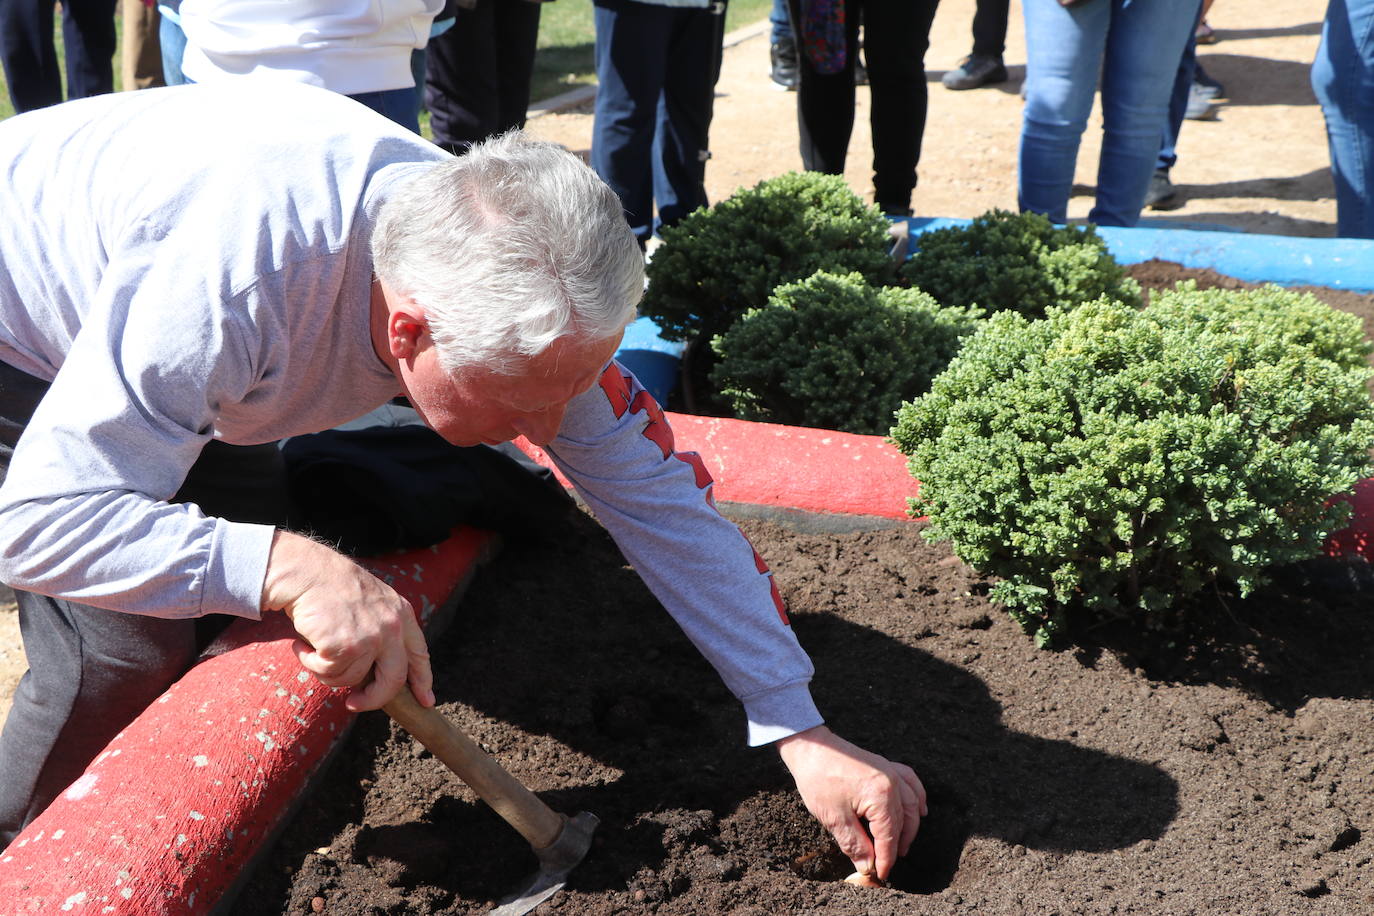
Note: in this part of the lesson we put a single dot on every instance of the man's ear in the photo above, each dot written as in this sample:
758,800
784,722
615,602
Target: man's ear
405,328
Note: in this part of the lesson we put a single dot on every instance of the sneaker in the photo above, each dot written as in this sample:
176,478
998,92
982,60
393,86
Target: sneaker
783,56
1162,194
974,71
1212,87
1205,34
1199,103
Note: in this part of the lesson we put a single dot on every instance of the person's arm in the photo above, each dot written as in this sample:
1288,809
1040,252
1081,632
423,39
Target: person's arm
617,448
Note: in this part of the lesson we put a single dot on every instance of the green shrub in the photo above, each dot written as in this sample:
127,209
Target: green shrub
720,262
1109,461
834,352
1018,262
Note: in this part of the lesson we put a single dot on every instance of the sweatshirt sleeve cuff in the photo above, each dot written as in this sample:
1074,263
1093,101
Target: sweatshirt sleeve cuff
237,569
778,713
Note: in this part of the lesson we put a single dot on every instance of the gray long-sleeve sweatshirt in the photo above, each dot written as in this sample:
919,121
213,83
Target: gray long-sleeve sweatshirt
193,262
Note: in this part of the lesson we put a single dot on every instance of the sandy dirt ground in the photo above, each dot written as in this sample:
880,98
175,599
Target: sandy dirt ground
1260,165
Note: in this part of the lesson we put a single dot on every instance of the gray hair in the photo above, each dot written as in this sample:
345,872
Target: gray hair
508,248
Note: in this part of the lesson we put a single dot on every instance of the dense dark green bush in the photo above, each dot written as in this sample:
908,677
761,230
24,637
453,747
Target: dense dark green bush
1109,461
834,352
720,262
1017,262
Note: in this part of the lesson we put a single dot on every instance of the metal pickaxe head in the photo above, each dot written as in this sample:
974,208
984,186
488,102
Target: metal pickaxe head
555,861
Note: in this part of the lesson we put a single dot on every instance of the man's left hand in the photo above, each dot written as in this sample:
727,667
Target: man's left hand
846,787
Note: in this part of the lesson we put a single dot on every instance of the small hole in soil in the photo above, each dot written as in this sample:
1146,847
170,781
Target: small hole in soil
927,869
934,858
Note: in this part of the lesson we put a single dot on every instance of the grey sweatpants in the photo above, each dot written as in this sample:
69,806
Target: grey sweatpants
92,671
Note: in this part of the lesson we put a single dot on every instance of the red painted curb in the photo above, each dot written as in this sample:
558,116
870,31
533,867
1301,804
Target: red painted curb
815,470
171,813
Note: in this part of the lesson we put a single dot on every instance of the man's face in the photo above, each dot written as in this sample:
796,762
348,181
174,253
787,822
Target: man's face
486,408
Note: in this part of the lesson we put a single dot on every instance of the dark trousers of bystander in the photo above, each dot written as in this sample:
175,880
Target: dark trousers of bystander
477,73
91,670
29,56
896,36
656,69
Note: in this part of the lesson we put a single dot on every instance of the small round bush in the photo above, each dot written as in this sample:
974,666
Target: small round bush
718,263
1109,461
834,352
1017,262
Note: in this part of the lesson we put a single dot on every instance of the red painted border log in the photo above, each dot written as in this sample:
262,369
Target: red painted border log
169,815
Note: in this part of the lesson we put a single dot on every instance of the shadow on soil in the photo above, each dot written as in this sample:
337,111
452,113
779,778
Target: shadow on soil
617,682
1305,635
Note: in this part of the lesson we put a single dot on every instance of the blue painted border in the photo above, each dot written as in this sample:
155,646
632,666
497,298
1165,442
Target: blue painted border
1285,260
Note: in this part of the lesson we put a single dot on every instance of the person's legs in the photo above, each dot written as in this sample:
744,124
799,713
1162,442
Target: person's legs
92,671
897,36
825,101
460,78
990,28
681,139
1063,52
1343,79
1178,106
517,37
1144,45
1161,194
142,58
89,39
631,61
28,55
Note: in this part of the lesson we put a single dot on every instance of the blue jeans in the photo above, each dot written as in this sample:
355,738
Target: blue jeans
1178,103
656,67
29,56
1137,45
780,21
172,41
1343,79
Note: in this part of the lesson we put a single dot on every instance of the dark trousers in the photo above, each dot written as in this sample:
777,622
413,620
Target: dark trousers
990,27
656,68
29,57
477,74
896,36
92,671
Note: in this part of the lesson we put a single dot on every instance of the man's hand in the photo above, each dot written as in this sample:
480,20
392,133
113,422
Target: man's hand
354,629
845,787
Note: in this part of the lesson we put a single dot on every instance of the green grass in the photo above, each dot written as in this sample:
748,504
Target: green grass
562,62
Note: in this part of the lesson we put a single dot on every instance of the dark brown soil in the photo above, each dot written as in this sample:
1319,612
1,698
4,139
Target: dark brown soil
1223,769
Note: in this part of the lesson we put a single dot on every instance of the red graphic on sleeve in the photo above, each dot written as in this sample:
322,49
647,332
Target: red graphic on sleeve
616,386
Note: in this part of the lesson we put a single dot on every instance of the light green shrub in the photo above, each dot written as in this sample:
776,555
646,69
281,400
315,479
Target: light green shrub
834,352
1109,461
1018,262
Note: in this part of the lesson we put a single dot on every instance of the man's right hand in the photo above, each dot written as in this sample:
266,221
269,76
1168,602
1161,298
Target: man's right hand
354,628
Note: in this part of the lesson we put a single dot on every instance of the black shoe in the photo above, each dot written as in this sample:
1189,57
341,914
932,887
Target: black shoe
975,70
783,55
1162,194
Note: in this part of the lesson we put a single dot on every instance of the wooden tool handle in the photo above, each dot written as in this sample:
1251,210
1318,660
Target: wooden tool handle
539,824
